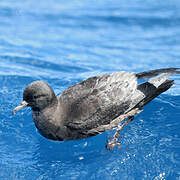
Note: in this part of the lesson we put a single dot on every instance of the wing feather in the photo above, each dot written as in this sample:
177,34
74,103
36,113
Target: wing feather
98,100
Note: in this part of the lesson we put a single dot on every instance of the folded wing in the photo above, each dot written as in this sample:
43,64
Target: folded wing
98,100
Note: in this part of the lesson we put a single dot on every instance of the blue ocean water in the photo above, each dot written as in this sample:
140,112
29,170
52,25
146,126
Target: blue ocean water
64,42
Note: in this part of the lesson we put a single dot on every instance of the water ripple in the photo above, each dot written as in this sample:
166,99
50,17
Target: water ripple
64,42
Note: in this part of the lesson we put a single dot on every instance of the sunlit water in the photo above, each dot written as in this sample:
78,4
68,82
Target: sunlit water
64,42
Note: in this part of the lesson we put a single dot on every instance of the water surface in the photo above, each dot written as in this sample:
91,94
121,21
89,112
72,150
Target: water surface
64,42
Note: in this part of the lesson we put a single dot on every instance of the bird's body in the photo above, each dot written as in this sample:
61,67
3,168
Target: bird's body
96,104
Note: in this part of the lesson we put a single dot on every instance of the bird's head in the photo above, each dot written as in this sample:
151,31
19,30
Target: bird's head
38,95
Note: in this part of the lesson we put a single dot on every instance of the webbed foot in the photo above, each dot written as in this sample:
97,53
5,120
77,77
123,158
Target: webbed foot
115,141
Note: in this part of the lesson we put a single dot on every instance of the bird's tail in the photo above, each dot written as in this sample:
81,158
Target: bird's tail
157,84
151,92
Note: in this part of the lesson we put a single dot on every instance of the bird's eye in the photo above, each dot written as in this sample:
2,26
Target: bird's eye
35,97
38,96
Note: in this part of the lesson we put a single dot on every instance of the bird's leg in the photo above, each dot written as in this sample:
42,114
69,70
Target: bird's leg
121,127
115,141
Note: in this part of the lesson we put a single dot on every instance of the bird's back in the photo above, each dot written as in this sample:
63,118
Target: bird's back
97,101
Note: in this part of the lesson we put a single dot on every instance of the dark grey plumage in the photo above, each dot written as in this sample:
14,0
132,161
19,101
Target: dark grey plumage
96,104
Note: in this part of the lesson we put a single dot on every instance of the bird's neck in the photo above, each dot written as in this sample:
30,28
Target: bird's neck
46,113
45,119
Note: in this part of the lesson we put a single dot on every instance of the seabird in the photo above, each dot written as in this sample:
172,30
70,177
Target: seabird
94,105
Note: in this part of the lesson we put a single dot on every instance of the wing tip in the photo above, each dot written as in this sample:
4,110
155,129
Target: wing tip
152,73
